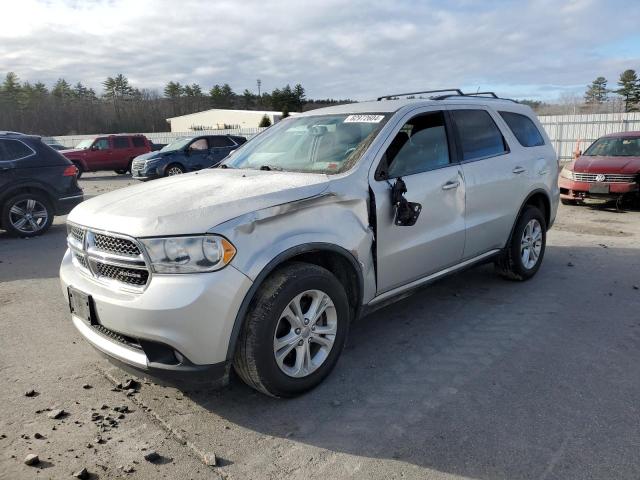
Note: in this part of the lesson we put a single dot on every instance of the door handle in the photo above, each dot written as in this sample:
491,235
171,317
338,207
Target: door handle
451,185
519,170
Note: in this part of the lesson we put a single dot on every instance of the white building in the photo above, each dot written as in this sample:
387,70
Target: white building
218,118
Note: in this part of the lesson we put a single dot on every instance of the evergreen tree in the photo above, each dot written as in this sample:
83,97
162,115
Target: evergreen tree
173,90
285,112
597,91
264,122
629,89
62,90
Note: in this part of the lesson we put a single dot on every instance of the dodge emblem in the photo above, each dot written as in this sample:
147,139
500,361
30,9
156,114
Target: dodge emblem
600,177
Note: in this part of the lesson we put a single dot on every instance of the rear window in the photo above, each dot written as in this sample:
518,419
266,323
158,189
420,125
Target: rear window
13,150
479,135
523,129
121,142
138,141
220,142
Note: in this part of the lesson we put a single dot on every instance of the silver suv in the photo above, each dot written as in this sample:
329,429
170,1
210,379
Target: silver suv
264,262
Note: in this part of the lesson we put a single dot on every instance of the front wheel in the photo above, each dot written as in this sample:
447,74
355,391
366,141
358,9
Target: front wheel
523,255
173,169
294,332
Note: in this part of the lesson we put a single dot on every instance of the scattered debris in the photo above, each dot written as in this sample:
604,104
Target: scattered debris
95,416
31,393
104,406
31,459
152,456
121,409
128,469
210,459
131,392
57,413
89,445
86,386
38,436
99,440
82,474
130,384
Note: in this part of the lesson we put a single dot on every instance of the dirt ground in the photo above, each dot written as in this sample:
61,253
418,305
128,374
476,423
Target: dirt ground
473,377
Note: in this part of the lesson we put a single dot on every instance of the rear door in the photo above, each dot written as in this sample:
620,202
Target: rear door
422,153
221,146
496,178
122,152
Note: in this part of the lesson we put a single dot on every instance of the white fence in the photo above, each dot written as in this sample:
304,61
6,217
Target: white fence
566,130
563,130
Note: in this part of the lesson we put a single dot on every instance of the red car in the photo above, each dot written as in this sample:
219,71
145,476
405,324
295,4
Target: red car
608,170
109,152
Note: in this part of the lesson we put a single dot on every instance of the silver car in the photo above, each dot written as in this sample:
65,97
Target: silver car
262,263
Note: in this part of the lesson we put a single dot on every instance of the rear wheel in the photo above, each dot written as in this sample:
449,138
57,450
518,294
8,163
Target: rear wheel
122,171
294,332
523,255
27,215
173,169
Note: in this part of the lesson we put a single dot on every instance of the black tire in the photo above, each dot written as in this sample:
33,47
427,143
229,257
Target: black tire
120,171
80,170
16,200
510,264
175,166
569,202
254,359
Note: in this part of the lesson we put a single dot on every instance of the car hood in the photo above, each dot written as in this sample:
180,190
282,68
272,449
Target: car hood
72,151
593,164
194,202
156,154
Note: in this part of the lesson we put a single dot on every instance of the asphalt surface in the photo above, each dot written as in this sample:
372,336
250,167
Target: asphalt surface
473,377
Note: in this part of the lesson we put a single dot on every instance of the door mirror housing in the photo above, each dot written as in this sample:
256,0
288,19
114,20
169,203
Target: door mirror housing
405,213
93,148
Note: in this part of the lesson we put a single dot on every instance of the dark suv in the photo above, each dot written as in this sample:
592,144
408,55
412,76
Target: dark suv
185,155
36,183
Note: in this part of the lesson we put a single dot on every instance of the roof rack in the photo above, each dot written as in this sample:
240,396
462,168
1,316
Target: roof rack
458,93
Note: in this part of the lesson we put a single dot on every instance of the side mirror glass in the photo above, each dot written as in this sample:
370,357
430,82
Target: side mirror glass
94,147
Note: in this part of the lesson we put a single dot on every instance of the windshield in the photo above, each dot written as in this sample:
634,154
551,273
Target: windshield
179,144
615,147
84,144
319,144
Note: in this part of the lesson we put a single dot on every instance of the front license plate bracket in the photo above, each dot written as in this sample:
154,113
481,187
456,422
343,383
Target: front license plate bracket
80,305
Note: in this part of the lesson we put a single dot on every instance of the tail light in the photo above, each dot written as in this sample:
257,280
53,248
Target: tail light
70,171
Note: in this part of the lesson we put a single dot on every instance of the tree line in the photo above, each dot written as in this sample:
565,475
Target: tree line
68,109
628,88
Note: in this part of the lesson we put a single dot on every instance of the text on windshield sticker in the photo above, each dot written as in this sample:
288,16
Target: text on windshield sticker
364,119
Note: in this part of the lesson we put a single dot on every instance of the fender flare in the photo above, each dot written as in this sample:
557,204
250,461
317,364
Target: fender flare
28,185
275,263
525,201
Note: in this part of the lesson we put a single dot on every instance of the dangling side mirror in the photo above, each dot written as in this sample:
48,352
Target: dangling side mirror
405,213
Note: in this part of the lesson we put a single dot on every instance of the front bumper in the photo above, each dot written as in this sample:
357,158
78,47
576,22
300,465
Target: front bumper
572,190
179,324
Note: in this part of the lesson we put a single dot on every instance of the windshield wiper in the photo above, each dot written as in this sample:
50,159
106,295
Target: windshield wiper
269,168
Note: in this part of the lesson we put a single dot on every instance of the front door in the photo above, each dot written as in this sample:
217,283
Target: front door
422,154
100,157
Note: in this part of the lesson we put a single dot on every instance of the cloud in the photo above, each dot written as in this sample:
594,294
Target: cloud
356,49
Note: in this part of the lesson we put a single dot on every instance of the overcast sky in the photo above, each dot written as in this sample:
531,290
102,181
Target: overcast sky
342,49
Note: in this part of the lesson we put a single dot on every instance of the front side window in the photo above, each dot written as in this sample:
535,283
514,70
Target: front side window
138,141
419,146
13,150
316,144
101,144
220,141
479,136
121,142
523,129
199,145
615,147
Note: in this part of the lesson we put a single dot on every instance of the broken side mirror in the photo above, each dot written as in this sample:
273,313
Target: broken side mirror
405,213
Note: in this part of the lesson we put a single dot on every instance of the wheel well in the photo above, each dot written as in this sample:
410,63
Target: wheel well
341,267
541,202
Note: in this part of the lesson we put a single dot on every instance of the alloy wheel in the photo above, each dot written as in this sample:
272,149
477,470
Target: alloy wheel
305,333
531,244
28,215
174,171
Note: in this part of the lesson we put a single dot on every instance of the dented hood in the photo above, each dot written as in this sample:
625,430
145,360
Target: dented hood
194,202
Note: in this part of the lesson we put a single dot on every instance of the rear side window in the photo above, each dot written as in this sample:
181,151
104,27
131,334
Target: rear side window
523,129
138,141
220,142
121,142
480,137
13,150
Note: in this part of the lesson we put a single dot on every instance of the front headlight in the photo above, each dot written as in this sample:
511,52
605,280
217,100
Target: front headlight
566,173
194,254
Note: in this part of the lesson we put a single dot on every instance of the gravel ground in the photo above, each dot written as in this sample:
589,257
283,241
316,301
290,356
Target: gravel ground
473,377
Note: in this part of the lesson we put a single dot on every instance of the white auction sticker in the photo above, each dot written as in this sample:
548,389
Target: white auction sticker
364,119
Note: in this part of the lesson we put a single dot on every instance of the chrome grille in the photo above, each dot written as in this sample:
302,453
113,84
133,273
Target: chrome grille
137,165
112,259
115,245
132,276
608,178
